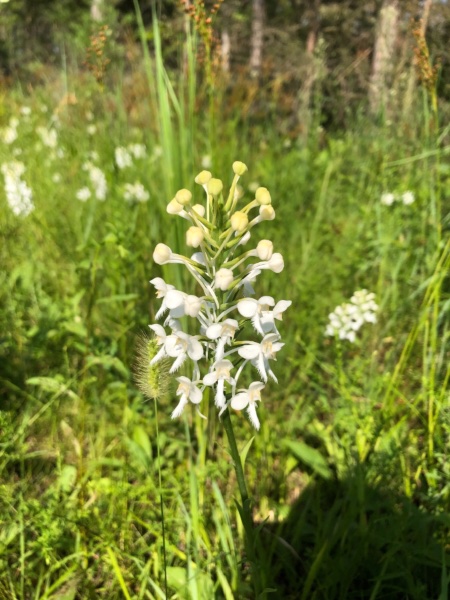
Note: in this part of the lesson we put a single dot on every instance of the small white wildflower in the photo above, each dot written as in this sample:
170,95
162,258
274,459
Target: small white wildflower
25,111
9,135
346,319
91,129
83,194
219,375
98,181
56,178
18,195
49,137
408,198
387,199
137,150
135,192
123,157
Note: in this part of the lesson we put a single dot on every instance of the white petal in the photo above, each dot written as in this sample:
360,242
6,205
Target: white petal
178,362
161,354
256,386
180,407
159,283
280,307
210,378
220,396
250,351
260,365
247,307
195,349
195,395
251,411
214,331
159,330
239,401
256,321
266,300
174,298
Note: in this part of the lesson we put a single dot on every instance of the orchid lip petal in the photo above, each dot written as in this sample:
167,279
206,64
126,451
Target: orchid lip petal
249,352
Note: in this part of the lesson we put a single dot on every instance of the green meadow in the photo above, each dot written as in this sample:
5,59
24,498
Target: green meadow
102,493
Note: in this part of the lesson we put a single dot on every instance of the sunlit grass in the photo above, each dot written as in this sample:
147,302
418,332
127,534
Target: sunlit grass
349,473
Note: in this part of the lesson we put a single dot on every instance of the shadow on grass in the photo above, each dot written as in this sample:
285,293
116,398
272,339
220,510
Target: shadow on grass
350,539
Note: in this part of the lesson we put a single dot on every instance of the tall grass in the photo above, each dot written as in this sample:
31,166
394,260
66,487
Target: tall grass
349,474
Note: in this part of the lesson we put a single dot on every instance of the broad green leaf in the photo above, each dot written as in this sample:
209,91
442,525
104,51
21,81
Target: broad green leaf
310,457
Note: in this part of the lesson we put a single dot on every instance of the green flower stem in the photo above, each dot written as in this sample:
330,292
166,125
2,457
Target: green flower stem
245,512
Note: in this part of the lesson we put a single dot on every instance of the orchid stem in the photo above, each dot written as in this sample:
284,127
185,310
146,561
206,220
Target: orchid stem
245,511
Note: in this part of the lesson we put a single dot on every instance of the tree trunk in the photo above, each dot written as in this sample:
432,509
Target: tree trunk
96,10
225,50
382,66
257,40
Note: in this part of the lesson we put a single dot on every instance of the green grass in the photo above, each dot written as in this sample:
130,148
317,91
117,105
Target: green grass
349,473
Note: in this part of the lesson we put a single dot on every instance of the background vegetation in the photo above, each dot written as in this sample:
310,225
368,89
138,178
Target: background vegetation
349,473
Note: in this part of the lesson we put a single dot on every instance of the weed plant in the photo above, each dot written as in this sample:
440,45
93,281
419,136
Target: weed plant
349,473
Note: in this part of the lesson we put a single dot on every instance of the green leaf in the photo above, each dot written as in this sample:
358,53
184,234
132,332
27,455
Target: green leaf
142,440
244,452
310,457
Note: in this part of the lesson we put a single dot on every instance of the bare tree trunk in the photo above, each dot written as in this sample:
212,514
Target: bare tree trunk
382,66
225,50
96,10
257,39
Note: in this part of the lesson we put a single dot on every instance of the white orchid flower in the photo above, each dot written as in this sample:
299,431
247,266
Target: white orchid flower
224,333
260,353
248,399
161,337
162,288
259,312
188,391
219,374
180,345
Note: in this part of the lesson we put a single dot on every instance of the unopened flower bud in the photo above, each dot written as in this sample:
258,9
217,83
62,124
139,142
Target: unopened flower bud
239,168
215,186
183,197
162,254
264,250
174,207
203,177
199,209
262,196
239,221
276,263
267,213
194,237
224,278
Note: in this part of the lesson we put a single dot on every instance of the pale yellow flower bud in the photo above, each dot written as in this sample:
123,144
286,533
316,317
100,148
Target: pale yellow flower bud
264,250
215,186
174,207
162,254
203,177
224,278
239,221
262,196
239,168
183,197
199,209
267,213
194,236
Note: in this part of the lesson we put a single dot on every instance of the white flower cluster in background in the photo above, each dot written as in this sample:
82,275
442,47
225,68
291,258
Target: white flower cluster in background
49,137
349,317
222,304
18,194
9,134
124,156
98,183
135,192
406,198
